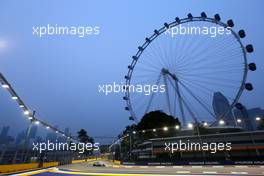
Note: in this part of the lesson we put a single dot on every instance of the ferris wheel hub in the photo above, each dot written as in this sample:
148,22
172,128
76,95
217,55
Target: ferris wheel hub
165,71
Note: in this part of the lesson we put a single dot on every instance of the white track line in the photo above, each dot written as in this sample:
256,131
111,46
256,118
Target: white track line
177,167
35,172
197,166
218,166
209,172
183,172
160,167
241,166
238,172
116,166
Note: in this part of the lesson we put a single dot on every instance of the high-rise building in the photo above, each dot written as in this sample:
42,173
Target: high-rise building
4,131
67,131
248,117
33,132
20,137
222,109
246,121
253,113
52,136
4,138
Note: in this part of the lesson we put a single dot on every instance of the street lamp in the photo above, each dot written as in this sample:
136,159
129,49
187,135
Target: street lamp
190,126
177,127
205,124
258,118
26,112
221,122
134,132
154,130
239,120
14,97
165,128
36,122
5,86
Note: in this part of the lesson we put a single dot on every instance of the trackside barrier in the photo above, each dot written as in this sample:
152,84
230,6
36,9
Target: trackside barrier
77,161
83,160
144,163
21,167
117,162
8,168
50,164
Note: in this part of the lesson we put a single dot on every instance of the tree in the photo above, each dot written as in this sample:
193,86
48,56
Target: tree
158,120
84,138
260,125
152,120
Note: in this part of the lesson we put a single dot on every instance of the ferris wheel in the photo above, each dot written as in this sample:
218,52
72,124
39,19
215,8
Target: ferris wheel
194,58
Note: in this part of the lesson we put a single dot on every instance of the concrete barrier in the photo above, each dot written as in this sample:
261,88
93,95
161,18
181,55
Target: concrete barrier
117,162
77,161
23,167
50,164
83,160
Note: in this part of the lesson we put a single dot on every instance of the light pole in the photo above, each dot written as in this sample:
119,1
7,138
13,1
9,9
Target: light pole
130,143
27,137
197,125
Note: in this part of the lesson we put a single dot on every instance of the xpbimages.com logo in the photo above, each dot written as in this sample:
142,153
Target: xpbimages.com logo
212,31
146,89
61,146
212,147
79,31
